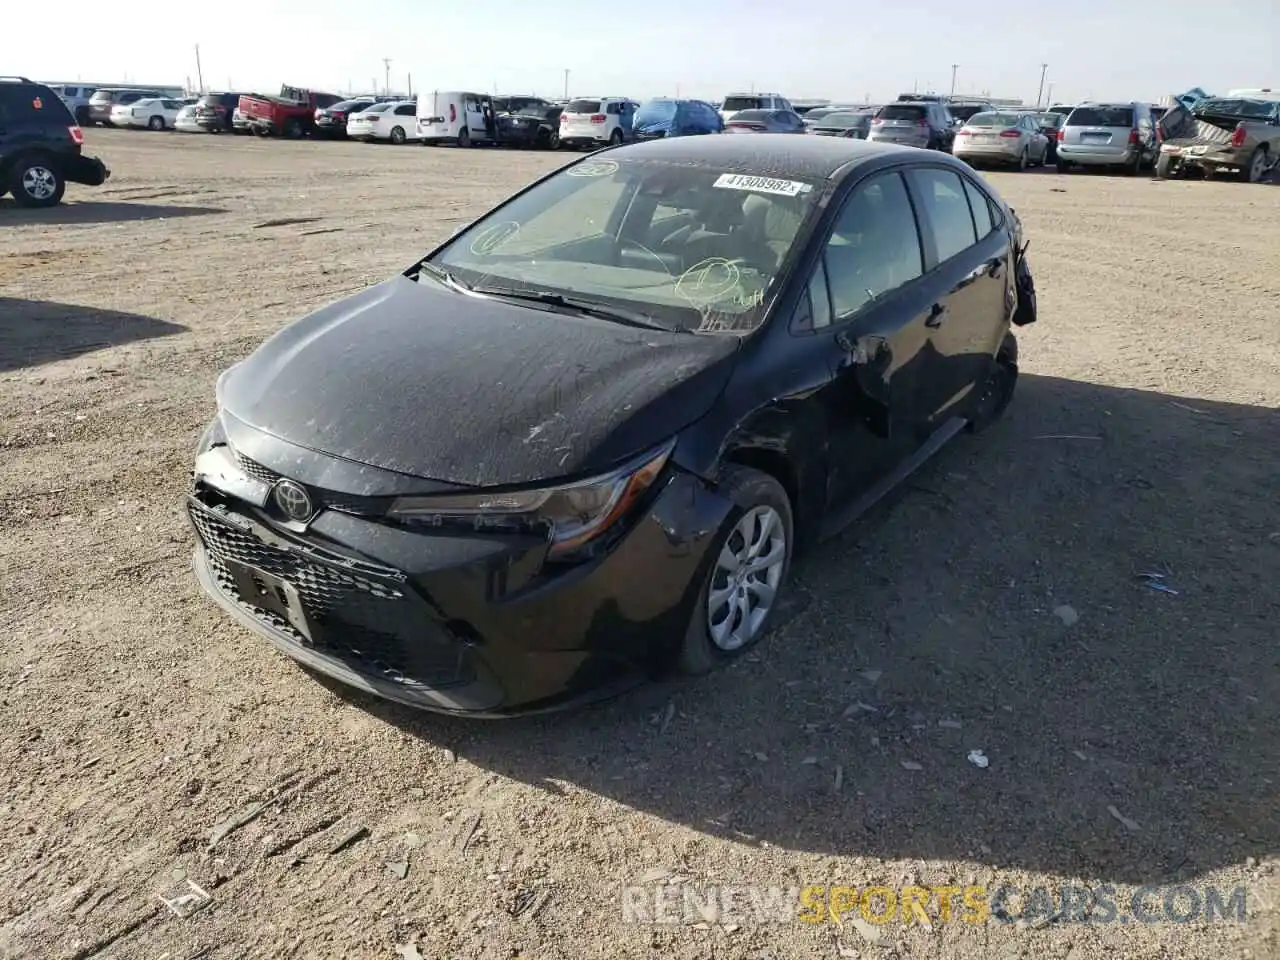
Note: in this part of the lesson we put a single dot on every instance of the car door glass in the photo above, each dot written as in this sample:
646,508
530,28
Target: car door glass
947,207
819,298
980,207
874,247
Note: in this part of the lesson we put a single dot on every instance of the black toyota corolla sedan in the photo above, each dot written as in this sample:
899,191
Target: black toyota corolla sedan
580,442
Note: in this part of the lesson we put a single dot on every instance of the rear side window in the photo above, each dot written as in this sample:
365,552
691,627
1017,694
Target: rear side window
19,102
947,208
902,111
1101,117
405,110
981,208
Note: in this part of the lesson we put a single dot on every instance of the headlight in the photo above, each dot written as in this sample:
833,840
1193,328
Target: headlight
575,513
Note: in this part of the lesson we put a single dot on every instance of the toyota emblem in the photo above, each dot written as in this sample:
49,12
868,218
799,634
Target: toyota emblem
294,501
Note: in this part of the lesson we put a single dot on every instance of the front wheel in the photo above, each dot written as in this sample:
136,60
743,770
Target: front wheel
36,182
464,137
1164,167
615,138
750,560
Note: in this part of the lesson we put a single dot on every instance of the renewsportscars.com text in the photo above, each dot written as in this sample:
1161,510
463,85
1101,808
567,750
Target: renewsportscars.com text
1104,904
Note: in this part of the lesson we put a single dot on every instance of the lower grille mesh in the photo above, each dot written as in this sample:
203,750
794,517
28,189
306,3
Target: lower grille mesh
371,626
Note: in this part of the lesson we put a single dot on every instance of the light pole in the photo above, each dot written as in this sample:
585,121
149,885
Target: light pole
1043,69
1050,92
386,66
566,83
954,67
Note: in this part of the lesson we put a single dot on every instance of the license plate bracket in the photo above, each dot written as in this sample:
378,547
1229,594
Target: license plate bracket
272,594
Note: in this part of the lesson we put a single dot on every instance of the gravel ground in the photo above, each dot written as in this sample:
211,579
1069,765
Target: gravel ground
1135,745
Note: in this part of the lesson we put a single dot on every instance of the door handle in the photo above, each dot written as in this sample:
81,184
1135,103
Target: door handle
936,315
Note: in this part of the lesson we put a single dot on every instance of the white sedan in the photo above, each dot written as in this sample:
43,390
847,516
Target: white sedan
155,113
395,121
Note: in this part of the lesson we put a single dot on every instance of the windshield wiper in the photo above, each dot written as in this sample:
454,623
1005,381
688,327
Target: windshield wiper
441,274
590,308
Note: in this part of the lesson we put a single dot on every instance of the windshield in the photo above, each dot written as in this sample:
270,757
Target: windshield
845,120
690,247
903,111
656,112
583,106
741,103
993,120
1101,117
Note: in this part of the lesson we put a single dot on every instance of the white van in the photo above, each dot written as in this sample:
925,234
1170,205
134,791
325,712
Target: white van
456,116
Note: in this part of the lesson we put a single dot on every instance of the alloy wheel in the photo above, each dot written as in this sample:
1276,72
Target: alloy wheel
39,183
745,580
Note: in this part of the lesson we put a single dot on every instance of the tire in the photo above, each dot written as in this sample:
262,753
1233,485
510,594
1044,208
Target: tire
1062,166
615,138
464,137
1164,167
1024,161
994,396
292,128
755,496
82,116
397,136
35,181
155,123
553,140
1135,168
1256,167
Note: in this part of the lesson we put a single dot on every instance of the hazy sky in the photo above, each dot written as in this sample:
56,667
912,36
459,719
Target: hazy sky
824,48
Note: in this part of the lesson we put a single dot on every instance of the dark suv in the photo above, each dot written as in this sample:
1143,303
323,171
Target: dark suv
40,145
214,110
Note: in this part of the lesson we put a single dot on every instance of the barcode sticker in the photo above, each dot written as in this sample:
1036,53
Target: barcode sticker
738,181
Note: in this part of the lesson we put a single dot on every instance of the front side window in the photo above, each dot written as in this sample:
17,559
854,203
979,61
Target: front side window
874,247
689,247
947,208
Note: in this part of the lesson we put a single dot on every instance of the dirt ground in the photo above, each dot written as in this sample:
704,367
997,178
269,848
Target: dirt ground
1137,745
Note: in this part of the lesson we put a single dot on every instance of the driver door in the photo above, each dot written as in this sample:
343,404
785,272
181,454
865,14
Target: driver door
473,110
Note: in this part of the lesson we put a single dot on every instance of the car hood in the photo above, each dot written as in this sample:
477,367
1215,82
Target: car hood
422,380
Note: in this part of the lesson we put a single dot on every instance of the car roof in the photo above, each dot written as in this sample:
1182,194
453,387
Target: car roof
776,154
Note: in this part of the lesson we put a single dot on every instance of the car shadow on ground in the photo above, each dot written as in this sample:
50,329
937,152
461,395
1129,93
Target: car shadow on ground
12,215
34,332
998,605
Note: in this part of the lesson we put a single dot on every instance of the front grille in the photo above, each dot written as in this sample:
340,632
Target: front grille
372,626
342,502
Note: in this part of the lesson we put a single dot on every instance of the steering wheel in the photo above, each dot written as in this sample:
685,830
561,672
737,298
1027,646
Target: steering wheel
623,243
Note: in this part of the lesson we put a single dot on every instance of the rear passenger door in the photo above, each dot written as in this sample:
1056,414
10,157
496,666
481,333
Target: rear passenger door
968,256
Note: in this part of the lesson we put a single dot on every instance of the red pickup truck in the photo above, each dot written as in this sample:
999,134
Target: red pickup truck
292,114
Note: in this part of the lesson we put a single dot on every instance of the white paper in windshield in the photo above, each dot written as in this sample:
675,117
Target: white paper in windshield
738,181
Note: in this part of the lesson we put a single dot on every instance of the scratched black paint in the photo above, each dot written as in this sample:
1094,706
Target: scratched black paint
412,387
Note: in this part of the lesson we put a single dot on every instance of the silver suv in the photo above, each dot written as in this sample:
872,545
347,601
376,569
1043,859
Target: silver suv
922,123
1108,135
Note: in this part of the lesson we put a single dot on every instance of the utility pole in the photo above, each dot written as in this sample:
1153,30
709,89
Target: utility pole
954,67
1044,67
199,73
410,90
386,66
566,83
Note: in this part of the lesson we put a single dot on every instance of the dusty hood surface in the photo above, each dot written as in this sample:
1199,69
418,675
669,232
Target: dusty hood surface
426,381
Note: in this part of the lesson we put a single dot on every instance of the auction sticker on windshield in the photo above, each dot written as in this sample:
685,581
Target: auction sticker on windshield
738,181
